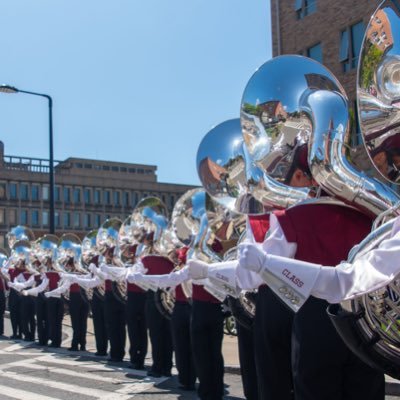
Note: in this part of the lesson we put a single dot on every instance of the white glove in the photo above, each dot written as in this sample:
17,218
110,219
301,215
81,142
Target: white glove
252,256
24,293
92,268
135,277
395,227
197,269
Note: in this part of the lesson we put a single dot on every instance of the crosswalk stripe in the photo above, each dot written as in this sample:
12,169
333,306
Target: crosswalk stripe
100,394
23,394
63,371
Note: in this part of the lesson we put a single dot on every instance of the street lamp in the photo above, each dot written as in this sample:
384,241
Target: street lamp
11,89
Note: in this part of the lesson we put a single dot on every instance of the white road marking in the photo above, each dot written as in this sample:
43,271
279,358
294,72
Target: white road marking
22,394
79,389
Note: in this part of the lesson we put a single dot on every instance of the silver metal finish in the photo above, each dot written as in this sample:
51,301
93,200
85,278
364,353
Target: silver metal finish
226,170
378,90
291,101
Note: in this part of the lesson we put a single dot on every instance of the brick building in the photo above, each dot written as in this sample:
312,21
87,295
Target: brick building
87,192
331,32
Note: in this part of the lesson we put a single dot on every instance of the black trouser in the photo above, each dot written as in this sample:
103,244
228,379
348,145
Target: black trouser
182,343
160,337
55,313
272,329
137,328
207,333
323,366
78,310
14,305
2,309
28,320
42,319
247,362
99,324
115,322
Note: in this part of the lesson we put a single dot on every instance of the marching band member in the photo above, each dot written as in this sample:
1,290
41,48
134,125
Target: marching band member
41,282
15,298
157,324
135,308
322,365
180,318
115,317
91,281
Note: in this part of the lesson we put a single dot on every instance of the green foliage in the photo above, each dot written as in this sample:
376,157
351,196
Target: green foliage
372,58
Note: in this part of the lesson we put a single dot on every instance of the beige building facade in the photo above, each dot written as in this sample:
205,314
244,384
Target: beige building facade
87,192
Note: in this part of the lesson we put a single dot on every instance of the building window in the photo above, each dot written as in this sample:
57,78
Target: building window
23,191
67,194
57,221
45,218
35,192
45,193
135,199
87,221
87,196
23,217
305,7
172,201
12,217
3,186
350,46
97,220
35,217
126,199
114,168
315,52
67,219
57,193
77,220
97,196
12,190
77,195
116,198
107,197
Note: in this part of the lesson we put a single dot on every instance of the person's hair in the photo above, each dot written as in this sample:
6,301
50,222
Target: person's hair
300,161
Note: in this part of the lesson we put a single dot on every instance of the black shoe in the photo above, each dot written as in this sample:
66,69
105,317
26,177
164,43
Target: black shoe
40,343
100,353
55,346
154,374
139,367
15,337
187,387
114,359
83,348
73,348
167,373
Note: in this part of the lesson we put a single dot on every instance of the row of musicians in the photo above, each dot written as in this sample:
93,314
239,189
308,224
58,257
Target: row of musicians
194,333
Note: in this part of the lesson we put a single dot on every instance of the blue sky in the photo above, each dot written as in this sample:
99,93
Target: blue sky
132,81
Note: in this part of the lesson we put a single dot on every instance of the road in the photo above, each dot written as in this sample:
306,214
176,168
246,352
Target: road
31,372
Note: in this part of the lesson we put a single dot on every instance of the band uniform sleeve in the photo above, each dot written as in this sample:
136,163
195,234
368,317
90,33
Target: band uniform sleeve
172,279
60,290
38,289
370,272
88,283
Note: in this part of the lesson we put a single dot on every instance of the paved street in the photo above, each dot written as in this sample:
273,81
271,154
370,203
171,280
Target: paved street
30,372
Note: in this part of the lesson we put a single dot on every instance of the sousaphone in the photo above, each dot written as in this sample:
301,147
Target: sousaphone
370,324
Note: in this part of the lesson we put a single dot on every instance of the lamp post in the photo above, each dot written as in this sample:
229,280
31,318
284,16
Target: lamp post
11,89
